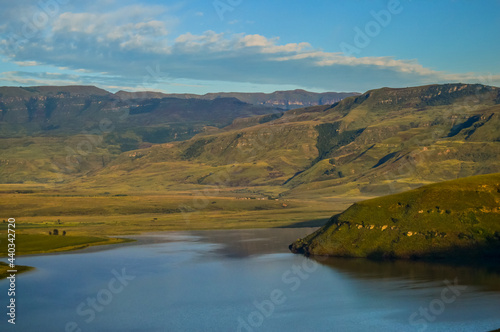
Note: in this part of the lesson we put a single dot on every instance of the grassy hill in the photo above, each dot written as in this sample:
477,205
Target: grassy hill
53,134
384,141
458,219
58,133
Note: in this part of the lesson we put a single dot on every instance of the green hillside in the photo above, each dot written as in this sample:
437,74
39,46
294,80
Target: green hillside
58,133
454,219
53,134
384,141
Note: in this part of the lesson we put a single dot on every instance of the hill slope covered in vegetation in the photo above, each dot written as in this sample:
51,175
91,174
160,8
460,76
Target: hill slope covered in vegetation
384,141
457,218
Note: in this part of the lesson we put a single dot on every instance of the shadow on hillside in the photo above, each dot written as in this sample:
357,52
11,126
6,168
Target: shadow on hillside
308,223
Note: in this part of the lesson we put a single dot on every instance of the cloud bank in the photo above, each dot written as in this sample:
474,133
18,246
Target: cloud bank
120,48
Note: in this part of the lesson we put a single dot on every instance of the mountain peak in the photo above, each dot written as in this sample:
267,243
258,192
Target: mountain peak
420,96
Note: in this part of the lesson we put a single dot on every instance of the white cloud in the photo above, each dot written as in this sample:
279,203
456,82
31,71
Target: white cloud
27,63
256,40
130,28
124,43
324,59
211,41
33,79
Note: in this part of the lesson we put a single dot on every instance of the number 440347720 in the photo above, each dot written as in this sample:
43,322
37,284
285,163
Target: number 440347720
12,242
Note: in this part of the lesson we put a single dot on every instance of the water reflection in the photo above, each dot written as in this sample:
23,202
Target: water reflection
239,243
486,278
211,280
251,242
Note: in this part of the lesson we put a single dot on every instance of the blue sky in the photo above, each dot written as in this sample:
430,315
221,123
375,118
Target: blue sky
200,46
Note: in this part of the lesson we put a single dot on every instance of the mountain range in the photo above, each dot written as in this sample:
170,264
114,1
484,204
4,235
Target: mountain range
69,110
52,124
282,99
383,141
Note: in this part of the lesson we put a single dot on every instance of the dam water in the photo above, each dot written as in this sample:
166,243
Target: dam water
245,280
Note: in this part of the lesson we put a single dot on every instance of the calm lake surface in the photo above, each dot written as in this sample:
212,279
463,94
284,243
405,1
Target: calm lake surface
245,280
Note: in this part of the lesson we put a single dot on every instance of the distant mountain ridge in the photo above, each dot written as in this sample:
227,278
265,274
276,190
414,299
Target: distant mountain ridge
282,99
67,110
43,125
7,92
70,109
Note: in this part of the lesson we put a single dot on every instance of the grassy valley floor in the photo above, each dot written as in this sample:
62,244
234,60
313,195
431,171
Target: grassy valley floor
89,219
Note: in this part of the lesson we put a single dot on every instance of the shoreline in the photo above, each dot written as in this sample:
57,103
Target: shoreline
143,238
115,241
4,267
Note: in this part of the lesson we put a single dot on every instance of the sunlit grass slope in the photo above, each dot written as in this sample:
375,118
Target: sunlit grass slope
449,219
